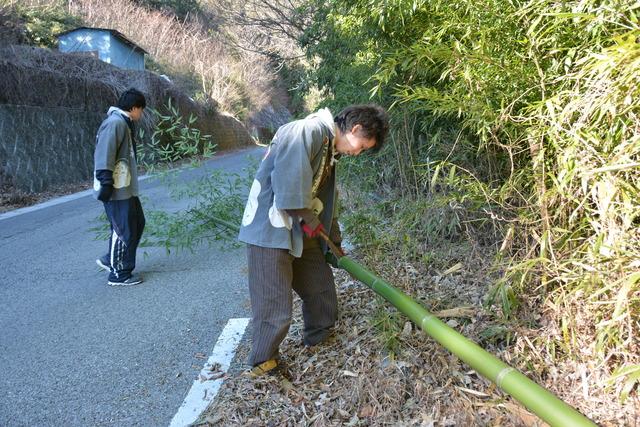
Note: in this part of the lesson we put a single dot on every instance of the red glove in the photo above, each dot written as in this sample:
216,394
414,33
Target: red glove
312,232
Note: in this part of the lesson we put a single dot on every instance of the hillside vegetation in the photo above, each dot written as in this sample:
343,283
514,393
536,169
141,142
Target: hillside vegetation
517,130
516,140
182,41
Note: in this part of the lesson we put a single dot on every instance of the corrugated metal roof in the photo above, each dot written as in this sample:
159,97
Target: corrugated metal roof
116,33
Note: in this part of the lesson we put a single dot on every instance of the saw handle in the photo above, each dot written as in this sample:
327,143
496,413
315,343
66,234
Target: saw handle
337,251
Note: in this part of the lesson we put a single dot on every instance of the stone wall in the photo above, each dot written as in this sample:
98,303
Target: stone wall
42,147
225,130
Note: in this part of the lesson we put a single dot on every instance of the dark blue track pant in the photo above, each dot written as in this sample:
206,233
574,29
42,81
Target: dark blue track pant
127,224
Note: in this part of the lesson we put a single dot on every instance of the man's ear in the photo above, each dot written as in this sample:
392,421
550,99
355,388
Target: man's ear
357,128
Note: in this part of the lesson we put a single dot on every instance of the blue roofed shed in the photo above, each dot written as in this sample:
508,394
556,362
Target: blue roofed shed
110,46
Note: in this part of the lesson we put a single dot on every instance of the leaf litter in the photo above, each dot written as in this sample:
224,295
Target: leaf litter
357,378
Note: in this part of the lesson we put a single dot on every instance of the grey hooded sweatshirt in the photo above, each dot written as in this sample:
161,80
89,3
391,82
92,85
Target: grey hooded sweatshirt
115,152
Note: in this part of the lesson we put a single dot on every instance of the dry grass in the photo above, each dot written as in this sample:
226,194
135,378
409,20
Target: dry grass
184,47
272,30
236,83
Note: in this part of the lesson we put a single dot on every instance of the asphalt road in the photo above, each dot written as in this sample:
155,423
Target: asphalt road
76,352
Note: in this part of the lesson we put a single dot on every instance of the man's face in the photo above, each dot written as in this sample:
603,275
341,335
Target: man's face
136,113
353,143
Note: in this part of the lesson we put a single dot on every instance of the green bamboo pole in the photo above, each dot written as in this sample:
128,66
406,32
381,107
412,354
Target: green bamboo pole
537,399
534,397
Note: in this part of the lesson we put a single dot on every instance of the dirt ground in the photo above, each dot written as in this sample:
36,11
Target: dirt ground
11,198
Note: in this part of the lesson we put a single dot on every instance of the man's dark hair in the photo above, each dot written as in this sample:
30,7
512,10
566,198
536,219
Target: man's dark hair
130,99
373,119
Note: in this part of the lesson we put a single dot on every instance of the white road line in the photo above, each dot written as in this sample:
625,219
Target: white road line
203,389
53,202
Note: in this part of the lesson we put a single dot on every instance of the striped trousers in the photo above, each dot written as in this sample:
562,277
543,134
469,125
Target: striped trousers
273,274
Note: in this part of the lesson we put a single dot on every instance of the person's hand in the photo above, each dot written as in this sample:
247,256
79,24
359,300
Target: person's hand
104,194
331,259
313,232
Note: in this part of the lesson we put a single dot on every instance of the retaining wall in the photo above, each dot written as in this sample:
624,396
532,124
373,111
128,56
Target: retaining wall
51,105
41,147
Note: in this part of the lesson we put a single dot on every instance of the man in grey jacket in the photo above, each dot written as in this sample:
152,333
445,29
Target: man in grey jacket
292,200
116,185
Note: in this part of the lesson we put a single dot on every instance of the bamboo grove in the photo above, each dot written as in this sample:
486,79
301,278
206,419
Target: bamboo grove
519,121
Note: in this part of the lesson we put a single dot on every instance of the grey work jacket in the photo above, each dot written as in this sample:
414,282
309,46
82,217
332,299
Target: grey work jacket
289,178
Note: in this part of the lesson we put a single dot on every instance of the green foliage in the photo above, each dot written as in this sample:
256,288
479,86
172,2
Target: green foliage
42,23
516,125
629,376
101,229
295,76
424,202
345,57
173,140
502,295
216,202
388,322
496,335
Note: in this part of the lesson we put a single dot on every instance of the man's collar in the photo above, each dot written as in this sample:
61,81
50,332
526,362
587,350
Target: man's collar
335,156
118,110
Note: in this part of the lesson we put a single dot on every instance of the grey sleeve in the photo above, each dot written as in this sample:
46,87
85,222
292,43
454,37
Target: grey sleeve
292,175
106,146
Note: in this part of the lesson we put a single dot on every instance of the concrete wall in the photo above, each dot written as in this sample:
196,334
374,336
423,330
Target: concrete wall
49,116
57,149
42,147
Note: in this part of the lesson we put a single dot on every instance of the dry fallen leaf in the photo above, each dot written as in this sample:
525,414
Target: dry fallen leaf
343,413
453,269
406,331
457,312
366,411
344,381
474,392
